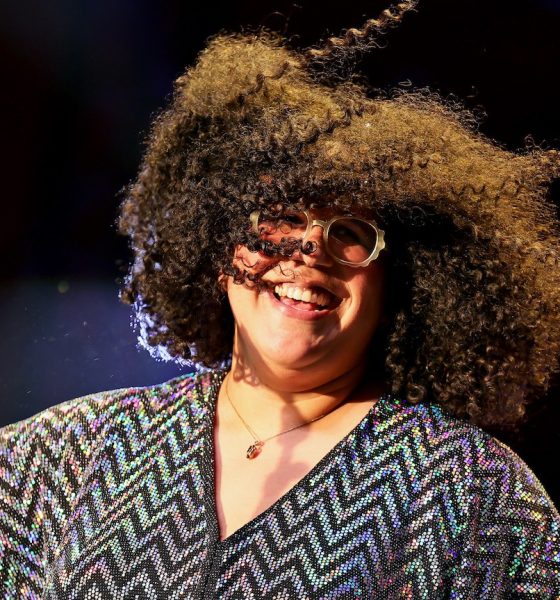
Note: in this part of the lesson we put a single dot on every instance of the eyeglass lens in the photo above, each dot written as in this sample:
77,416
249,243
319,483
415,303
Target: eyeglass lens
350,239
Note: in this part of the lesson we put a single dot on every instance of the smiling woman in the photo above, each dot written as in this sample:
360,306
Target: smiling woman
296,342
364,283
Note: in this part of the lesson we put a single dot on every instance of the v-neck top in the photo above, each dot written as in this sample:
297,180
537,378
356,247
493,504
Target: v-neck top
112,496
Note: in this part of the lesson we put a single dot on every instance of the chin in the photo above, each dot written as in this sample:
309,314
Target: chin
291,354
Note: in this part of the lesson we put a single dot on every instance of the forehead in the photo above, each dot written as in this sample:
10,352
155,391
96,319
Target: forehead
322,204
327,211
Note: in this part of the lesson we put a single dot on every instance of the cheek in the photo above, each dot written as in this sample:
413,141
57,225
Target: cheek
370,292
252,262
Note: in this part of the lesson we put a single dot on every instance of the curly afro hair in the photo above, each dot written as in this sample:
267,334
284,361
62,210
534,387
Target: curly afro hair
473,247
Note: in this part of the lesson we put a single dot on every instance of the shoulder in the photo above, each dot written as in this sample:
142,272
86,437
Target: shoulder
458,465
89,416
447,457
64,441
478,498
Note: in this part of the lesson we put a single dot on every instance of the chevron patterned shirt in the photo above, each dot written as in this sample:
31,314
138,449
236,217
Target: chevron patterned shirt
111,496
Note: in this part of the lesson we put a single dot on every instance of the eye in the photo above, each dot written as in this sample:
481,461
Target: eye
291,222
345,234
275,226
353,232
293,219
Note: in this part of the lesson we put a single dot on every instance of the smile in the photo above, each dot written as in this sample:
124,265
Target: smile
303,299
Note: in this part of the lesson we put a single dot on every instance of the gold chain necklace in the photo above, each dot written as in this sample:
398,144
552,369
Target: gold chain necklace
256,447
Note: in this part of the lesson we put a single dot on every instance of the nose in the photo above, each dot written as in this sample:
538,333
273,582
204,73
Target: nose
315,253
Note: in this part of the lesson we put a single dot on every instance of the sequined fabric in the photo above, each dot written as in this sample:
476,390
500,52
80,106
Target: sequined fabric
111,496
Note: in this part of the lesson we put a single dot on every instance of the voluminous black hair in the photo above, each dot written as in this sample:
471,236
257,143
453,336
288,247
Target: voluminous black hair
473,246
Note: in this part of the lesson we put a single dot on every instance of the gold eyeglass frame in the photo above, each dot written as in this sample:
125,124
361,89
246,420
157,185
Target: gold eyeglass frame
326,225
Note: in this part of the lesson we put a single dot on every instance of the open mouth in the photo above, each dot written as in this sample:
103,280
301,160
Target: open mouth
311,299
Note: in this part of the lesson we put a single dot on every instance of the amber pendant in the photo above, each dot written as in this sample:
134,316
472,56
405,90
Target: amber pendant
254,449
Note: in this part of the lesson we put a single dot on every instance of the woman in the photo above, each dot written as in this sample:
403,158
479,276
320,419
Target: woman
364,283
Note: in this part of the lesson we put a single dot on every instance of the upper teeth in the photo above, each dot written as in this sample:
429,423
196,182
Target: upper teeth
303,294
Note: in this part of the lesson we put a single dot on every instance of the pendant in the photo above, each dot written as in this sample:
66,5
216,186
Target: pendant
254,449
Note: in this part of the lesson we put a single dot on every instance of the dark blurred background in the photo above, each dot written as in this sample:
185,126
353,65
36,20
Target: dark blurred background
82,81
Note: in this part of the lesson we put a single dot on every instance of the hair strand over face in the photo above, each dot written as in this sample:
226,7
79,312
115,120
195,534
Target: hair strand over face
473,247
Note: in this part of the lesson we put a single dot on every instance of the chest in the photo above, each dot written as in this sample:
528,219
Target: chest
149,525
246,488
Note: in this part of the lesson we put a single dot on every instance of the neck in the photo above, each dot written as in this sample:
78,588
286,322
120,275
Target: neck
274,399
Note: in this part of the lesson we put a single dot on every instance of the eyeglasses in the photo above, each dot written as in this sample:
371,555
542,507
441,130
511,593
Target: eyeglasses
349,240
